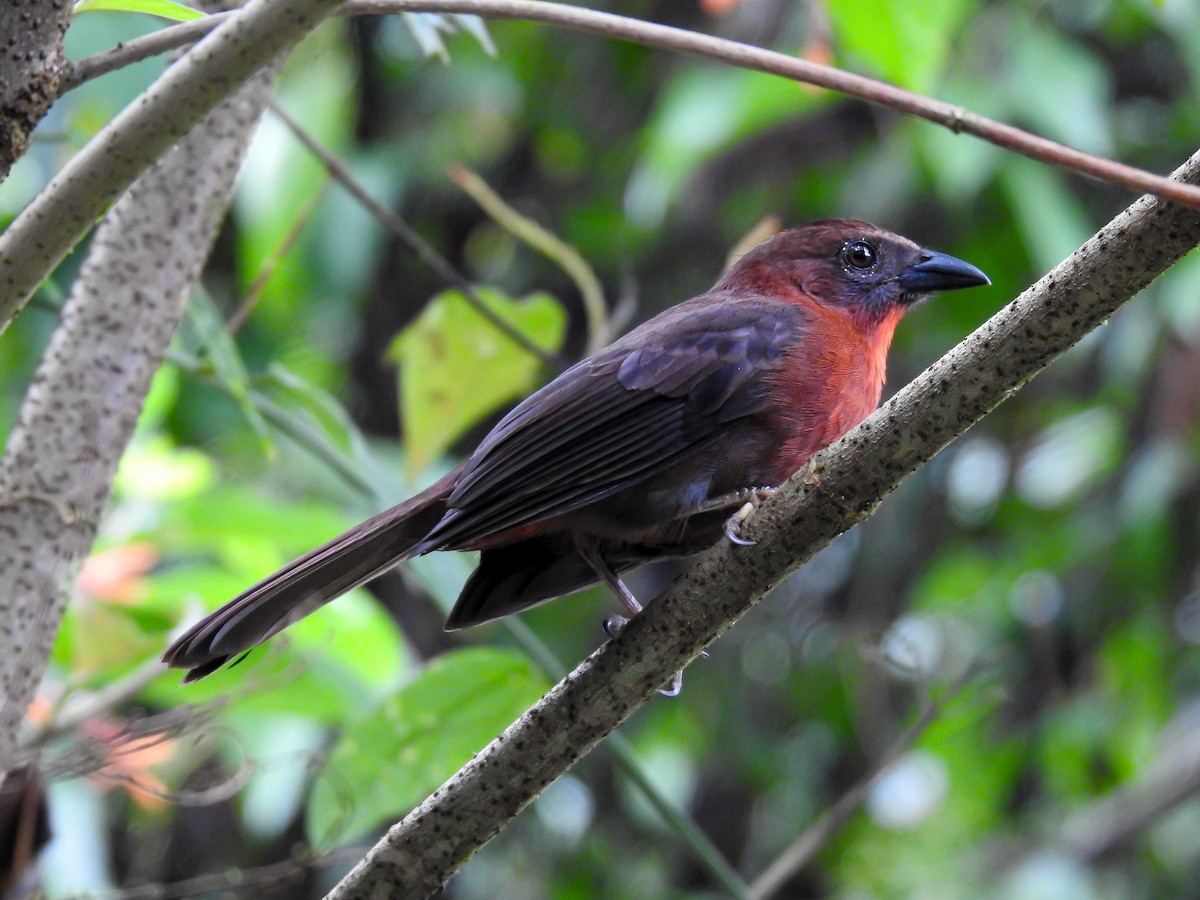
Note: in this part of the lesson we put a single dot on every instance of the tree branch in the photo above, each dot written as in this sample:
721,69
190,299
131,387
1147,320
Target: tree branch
136,49
31,68
85,398
1111,822
841,486
956,118
130,144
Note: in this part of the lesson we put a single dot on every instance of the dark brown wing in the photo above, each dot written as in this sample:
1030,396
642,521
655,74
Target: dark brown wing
663,392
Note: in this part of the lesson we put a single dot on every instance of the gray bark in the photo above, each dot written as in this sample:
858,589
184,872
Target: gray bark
98,174
31,67
83,404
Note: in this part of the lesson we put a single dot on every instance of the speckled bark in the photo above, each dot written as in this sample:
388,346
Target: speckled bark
99,173
31,65
841,486
85,398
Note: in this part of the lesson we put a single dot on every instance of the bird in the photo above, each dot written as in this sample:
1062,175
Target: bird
640,452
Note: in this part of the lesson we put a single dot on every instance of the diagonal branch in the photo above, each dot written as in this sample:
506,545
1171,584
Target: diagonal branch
802,850
1114,821
50,227
841,486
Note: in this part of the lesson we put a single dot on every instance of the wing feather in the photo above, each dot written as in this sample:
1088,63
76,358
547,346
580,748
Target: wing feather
657,396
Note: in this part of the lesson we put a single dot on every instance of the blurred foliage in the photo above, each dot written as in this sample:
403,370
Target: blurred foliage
457,367
165,8
1047,561
418,737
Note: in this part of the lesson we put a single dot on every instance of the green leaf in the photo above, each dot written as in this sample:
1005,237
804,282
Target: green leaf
278,679
316,421
154,470
907,43
165,9
701,112
204,334
456,367
320,406
392,757
1082,84
1052,221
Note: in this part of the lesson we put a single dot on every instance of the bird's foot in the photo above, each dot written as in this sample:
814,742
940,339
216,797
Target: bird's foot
734,526
674,686
613,626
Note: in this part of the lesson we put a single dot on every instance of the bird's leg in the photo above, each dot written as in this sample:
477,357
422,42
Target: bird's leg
614,624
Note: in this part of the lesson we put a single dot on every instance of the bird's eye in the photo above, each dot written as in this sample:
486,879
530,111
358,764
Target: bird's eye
859,254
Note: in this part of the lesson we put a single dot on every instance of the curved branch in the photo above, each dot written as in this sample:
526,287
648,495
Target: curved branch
97,175
137,49
83,405
841,486
956,118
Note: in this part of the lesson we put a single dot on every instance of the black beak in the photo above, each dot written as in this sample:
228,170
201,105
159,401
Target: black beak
939,272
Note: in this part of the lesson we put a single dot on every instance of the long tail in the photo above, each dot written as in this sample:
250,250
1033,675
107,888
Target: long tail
311,581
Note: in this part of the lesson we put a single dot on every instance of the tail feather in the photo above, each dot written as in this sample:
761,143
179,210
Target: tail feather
515,577
309,582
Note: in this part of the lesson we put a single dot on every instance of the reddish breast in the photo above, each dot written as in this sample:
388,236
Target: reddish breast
832,380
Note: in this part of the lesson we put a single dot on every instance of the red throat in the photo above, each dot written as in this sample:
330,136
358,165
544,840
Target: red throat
832,391
879,337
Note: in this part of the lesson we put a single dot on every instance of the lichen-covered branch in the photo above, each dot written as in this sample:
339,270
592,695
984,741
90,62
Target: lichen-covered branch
840,487
97,175
31,67
85,398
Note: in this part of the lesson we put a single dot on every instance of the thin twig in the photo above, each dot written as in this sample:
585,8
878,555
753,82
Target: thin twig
241,880
801,851
418,245
1113,821
549,245
759,232
956,118
271,264
77,707
140,48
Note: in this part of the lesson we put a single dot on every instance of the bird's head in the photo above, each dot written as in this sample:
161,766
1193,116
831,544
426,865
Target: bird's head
867,271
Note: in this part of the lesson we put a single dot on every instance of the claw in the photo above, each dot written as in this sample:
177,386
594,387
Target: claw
738,519
735,523
612,627
613,624
674,687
